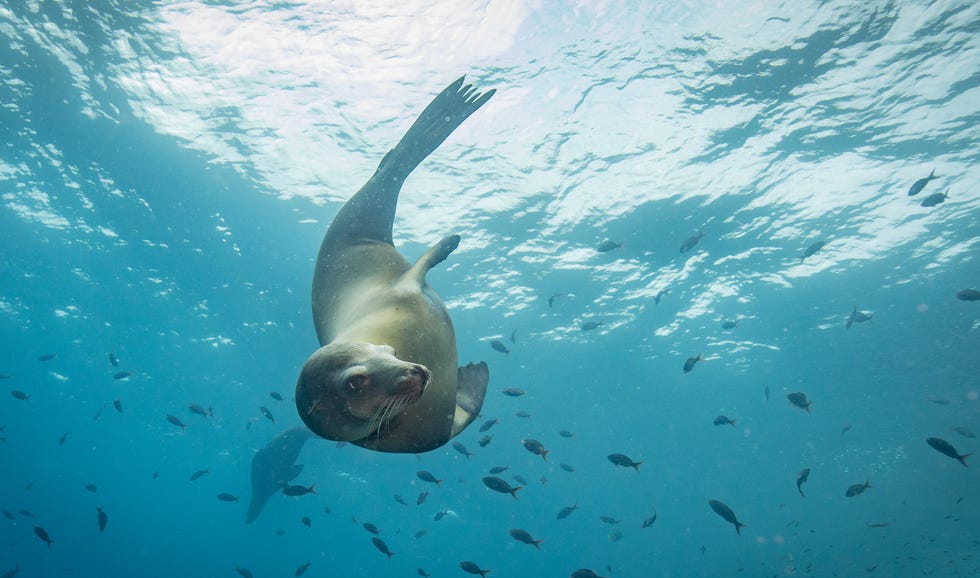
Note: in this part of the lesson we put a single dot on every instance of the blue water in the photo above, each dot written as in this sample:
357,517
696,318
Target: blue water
167,173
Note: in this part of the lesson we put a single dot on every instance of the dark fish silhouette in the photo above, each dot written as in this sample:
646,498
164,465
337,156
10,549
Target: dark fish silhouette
117,404
590,325
568,468
275,465
498,345
624,461
513,336
243,572
275,395
113,359
649,521
440,515
301,569
512,392
92,488
47,357
691,361
767,393
485,441
382,547
176,421
536,448
421,572
41,532
566,511
801,478
427,477
799,400
298,490
20,395
965,432
584,573
724,420
858,317
609,520
421,498
103,519
812,249
198,474
122,375
968,295
400,500
725,512
459,447
268,414
729,324
691,242
488,424
660,294
857,489
371,528
62,439
934,199
944,447
920,184
551,300
498,469
844,430
500,485
472,568
226,497
607,246
566,434
525,538
306,522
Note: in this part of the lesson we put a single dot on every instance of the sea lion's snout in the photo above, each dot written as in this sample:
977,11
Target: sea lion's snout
416,380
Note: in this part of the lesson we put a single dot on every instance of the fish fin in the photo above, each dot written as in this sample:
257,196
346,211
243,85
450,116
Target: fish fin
738,527
962,459
471,388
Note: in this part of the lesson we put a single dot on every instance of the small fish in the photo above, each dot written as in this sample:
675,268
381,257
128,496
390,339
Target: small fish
767,393
196,408
485,441
590,325
499,485
724,420
472,568
725,512
421,499
7,514
62,439
967,433
459,447
18,394
968,295
43,534
512,392
615,536
520,479
691,361
857,489
858,317
488,424
691,242
812,249
938,400
400,500
513,336
566,511
584,573
661,294
536,448
801,478
27,514
522,414
498,345
878,524
11,573
117,404
122,375
799,400
176,421
421,572
609,520
525,538
844,430
567,468
47,357
551,300
649,521
427,477
243,572
934,199
5,376
268,414
608,245
498,470
624,461
113,359
28,486
382,547
371,528
301,569
196,475
306,522
944,447
92,488
729,324
278,397
566,434
103,519
920,184
421,533
225,497
298,490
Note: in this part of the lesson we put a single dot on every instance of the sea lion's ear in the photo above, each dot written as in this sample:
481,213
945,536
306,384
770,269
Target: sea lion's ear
472,380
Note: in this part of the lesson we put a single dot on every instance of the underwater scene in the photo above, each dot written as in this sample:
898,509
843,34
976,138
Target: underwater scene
489,287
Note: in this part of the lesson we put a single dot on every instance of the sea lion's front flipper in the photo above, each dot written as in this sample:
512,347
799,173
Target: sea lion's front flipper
471,384
370,213
435,255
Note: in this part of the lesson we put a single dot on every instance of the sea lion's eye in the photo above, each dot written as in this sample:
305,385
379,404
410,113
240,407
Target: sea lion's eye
355,382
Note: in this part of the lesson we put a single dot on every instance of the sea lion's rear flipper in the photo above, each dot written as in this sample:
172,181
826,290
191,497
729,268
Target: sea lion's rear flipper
435,255
371,212
471,381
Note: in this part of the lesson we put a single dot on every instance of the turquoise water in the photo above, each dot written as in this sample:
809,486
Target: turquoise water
169,169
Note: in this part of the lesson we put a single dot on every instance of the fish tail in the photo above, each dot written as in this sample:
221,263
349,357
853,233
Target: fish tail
700,357
636,466
513,491
738,527
962,459
537,543
312,489
438,483
932,175
800,490
544,455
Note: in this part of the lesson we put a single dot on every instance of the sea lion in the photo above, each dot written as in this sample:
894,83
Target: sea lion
386,377
275,466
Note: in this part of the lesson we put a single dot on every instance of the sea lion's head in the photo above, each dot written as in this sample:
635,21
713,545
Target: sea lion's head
349,391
